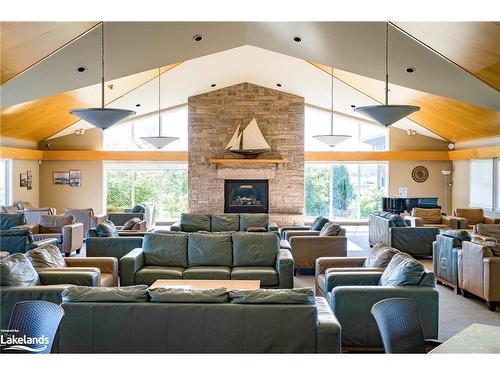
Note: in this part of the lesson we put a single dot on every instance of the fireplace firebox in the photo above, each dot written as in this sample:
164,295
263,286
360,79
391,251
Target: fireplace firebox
246,196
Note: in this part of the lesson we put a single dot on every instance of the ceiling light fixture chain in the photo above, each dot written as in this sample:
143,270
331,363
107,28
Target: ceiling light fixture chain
102,65
387,63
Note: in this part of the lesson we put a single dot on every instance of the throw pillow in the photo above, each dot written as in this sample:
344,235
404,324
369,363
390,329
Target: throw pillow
135,293
330,229
297,296
129,225
47,256
17,270
403,270
380,256
106,229
188,295
461,235
318,223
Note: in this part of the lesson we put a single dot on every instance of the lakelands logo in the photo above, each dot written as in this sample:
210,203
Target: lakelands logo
10,340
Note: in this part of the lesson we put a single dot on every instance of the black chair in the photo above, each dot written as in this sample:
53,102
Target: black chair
35,320
400,327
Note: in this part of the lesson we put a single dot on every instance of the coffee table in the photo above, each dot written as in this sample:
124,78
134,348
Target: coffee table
206,284
477,338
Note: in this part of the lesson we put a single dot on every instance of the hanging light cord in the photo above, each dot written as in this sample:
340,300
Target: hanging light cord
331,104
386,63
159,102
102,64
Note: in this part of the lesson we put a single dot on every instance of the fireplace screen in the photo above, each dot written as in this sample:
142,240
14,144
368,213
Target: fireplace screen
246,196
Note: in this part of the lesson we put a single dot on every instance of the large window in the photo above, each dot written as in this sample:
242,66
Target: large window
485,184
164,184
348,191
126,136
4,181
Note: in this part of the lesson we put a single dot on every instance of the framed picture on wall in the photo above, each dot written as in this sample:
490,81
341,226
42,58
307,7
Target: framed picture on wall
29,175
60,178
75,178
23,180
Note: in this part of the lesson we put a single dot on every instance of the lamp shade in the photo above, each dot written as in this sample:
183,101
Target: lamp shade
387,114
102,118
159,141
331,140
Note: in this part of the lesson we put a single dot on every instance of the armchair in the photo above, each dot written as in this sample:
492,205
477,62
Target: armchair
474,216
431,217
87,217
486,232
20,240
34,215
479,271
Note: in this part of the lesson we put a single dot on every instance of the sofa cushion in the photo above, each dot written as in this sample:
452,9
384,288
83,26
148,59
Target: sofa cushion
402,270
149,274
195,222
396,220
330,229
428,215
298,296
253,220
255,249
461,235
54,223
46,256
130,224
224,222
165,249
379,256
189,295
206,249
135,293
106,229
318,223
8,221
207,273
488,230
267,275
473,215
17,270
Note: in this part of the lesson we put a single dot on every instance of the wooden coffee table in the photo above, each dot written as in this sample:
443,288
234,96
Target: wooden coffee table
477,338
206,284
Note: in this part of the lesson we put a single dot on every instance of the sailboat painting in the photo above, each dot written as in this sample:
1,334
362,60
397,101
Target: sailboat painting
250,142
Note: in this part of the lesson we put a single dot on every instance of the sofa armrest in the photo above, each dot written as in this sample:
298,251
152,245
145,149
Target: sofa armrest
282,230
454,222
46,241
328,330
323,263
72,238
492,278
176,227
414,221
352,306
129,265
491,220
290,233
112,246
105,265
272,227
83,277
284,266
336,279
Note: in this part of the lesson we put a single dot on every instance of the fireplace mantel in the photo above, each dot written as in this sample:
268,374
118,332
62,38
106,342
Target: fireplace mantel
245,161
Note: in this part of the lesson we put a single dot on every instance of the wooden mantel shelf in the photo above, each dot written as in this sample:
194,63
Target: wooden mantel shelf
245,161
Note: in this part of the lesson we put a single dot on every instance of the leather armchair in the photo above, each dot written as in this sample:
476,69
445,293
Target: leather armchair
431,217
445,260
474,216
87,217
34,215
63,228
479,271
20,240
107,266
486,232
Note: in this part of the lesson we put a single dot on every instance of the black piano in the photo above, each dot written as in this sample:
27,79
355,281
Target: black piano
396,205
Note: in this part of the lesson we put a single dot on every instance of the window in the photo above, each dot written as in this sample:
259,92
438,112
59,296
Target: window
366,136
164,184
126,136
481,183
348,191
4,181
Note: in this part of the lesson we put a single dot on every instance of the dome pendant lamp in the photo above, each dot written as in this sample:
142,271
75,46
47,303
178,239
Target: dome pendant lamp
159,141
387,114
102,118
331,139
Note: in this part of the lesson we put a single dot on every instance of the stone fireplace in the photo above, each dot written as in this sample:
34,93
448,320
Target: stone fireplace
246,196
213,119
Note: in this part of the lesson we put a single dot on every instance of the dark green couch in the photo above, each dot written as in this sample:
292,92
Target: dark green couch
238,255
195,222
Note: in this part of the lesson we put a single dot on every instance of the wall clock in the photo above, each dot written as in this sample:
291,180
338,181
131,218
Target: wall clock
420,174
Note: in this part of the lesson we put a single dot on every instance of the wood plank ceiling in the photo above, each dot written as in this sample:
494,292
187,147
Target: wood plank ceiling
23,44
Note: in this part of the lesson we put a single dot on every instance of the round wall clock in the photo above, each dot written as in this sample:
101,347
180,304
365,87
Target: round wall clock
420,173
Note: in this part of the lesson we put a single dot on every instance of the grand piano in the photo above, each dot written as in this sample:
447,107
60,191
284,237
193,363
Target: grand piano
397,205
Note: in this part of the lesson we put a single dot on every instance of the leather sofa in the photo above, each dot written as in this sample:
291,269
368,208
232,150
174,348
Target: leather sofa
486,232
394,231
87,217
68,233
224,327
351,296
479,271
195,222
474,216
238,256
432,217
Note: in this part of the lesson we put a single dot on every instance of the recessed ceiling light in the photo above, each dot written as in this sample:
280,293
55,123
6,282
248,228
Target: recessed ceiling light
278,84
138,105
410,70
81,69
198,38
297,39
213,85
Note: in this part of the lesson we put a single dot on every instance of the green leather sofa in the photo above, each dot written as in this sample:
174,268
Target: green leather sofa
394,231
238,255
195,222
150,327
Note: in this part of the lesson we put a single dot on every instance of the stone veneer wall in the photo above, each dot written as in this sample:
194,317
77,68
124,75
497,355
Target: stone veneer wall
214,117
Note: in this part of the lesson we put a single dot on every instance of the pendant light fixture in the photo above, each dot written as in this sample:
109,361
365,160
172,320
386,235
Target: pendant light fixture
159,141
102,118
331,139
387,114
